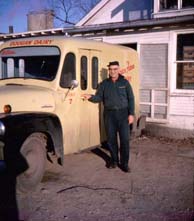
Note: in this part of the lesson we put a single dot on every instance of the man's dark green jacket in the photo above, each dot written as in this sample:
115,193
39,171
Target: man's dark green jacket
115,95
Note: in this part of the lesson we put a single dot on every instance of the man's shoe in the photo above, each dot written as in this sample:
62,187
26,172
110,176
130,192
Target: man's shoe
125,169
112,165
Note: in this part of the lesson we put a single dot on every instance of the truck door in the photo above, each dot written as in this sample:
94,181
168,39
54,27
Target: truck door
67,104
95,109
89,112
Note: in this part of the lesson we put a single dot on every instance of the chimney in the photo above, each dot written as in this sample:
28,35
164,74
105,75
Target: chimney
40,20
10,29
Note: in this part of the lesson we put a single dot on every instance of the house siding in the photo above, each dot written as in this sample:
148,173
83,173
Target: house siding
124,11
180,109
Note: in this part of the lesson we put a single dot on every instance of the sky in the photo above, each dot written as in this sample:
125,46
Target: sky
14,12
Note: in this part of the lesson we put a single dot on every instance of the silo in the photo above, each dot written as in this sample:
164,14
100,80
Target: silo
40,20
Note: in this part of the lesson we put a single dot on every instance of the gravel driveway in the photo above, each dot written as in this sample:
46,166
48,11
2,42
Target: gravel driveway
159,187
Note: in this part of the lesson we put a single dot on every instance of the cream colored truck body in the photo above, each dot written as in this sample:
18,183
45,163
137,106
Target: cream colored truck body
81,120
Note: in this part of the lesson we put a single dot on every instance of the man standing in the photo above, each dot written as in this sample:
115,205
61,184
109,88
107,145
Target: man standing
118,100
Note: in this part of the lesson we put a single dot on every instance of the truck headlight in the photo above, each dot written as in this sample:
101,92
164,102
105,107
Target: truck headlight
2,128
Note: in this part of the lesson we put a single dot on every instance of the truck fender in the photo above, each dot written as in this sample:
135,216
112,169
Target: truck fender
21,125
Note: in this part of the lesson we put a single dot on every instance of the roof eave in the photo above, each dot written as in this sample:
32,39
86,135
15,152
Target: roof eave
162,22
135,24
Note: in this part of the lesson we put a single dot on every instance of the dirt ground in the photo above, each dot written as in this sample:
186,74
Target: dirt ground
159,187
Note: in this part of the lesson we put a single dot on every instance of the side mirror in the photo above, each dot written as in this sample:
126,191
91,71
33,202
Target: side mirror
74,84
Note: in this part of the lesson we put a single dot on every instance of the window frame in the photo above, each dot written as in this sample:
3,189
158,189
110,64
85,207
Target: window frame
173,69
182,61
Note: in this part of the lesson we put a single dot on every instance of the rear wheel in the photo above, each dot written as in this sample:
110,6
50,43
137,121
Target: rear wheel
34,151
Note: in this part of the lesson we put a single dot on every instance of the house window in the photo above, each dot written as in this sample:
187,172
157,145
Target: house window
185,61
168,4
187,3
175,4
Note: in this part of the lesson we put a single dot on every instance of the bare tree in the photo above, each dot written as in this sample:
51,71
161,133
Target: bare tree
86,5
63,10
68,12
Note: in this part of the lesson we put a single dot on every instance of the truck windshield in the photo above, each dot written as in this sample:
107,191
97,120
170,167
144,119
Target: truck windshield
29,62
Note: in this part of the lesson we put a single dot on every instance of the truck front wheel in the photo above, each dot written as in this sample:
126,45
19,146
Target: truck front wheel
34,151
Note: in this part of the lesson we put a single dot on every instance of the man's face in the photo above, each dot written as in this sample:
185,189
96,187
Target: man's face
114,71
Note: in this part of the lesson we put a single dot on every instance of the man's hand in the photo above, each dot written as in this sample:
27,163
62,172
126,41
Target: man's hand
86,96
130,119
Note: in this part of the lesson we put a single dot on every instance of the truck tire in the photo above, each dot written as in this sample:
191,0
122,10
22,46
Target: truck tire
34,151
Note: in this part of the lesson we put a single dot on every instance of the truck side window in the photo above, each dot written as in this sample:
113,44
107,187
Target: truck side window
84,72
94,72
68,71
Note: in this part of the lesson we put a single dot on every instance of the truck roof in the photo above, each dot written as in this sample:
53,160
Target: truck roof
60,40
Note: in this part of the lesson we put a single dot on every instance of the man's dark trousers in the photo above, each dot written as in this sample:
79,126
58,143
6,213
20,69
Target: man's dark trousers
117,121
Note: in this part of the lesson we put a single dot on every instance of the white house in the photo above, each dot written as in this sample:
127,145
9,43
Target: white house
162,31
